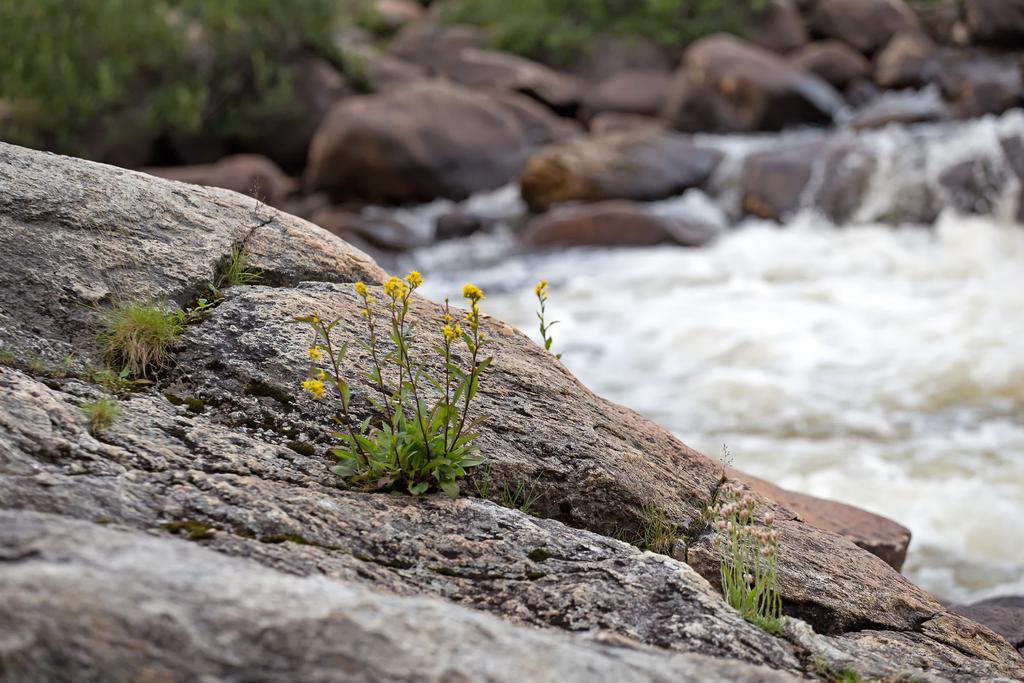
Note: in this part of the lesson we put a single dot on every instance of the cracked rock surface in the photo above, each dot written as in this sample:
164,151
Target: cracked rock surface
178,508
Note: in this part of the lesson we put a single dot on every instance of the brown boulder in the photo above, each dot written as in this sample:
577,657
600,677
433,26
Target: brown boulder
754,88
627,92
845,177
368,232
899,111
773,181
248,174
456,224
996,22
905,62
977,82
612,224
1003,615
434,47
640,164
380,71
391,16
878,535
973,186
778,27
611,54
432,139
867,25
833,61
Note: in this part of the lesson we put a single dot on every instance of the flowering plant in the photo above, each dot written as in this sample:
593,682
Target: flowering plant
748,553
408,444
541,291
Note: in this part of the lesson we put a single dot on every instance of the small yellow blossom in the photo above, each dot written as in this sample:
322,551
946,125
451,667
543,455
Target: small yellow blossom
315,353
320,374
451,332
472,293
396,288
361,289
541,289
314,386
414,279
315,319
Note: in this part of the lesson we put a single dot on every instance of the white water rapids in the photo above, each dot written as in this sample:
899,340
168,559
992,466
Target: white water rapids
879,366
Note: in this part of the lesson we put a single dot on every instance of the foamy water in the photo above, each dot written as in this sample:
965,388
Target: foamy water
879,366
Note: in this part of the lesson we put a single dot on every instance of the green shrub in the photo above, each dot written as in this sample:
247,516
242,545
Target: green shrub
101,413
560,30
409,445
136,338
90,76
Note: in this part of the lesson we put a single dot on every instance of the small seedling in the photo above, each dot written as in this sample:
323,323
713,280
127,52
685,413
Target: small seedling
541,290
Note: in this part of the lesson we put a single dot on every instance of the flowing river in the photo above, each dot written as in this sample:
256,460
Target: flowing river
876,365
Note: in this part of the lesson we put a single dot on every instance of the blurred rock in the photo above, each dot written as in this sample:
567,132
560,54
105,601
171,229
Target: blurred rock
641,164
377,232
887,111
995,22
613,224
773,181
778,27
627,92
905,62
845,175
727,84
379,71
609,55
833,61
432,139
973,186
434,47
494,69
614,122
248,174
867,25
1004,615
394,15
456,224
978,82
940,19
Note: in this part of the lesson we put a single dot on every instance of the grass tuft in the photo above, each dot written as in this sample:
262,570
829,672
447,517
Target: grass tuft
137,338
237,271
657,533
101,414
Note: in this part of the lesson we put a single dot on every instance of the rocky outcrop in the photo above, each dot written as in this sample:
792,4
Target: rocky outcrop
613,223
641,164
726,84
431,139
865,24
240,467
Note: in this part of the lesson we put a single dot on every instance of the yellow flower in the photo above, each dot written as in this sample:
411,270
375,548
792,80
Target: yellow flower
451,332
472,293
414,279
315,319
541,289
396,288
361,289
314,386
320,374
315,353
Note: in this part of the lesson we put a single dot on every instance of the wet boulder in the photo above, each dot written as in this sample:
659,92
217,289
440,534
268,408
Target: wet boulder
643,163
978,82
773,181
833,61
613,224
432,139
907,61
249,174
973,186
867,25
778,27
455,224
726,83
995,22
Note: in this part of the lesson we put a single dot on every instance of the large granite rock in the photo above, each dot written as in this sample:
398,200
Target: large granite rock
428,140
240,467
643,163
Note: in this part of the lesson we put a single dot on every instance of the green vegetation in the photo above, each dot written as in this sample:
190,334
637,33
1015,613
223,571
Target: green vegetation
412,446
522,495
559,31
656,533
237,271
748,554
541,291
101,413
96,76
136,338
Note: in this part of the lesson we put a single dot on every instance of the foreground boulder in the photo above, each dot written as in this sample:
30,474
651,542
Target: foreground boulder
726,84
613,223
428,140
240,467
642,163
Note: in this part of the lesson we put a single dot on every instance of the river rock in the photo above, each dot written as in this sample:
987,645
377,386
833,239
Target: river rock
640,164
973,186
905,62
1004,615
612,54
434,46
627,92
831,60
778,27
455,224
997,22
242,469
726,84
887,111
376,232
432,139
248,174
613,223
773,181
976,83
878,535
867,25
391,16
